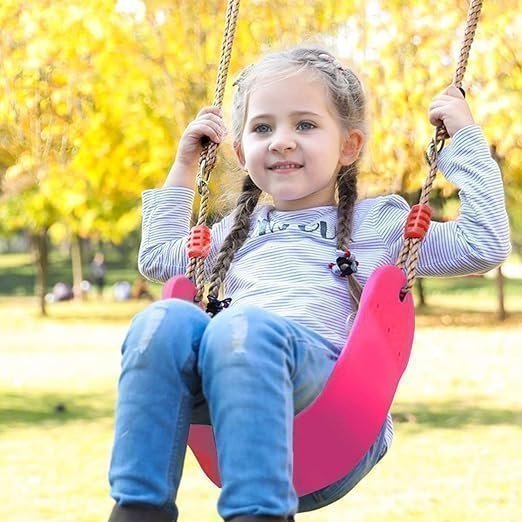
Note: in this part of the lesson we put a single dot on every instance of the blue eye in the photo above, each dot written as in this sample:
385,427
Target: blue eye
262,128
305,125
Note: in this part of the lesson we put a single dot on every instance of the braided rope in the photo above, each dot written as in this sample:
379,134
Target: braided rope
409,254
208,155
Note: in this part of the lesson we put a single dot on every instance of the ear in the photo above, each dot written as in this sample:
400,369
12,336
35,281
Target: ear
239,153
351,146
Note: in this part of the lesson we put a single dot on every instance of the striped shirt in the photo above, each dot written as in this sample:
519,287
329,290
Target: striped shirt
283,264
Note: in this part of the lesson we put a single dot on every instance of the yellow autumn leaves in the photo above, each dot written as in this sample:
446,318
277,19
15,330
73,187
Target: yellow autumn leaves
95,94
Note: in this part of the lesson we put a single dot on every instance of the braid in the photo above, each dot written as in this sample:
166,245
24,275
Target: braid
346,93
347,189
245,206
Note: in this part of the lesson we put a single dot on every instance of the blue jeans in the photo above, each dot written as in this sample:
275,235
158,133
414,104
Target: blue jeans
247,372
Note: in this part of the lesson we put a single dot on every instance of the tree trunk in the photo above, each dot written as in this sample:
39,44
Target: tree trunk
76,259
501,310
420,292
41,257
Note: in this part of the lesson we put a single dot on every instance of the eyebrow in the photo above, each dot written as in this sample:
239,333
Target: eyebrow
295,113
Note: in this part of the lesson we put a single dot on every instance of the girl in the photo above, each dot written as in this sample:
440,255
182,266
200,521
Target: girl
298,129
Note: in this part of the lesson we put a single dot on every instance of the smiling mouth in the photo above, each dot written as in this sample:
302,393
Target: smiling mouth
285,167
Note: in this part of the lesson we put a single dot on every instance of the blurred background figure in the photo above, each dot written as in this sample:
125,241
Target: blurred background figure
140,289
122,291
61,292
98,271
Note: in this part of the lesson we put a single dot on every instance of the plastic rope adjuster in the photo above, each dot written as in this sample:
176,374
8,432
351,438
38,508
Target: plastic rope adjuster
418,222
198,244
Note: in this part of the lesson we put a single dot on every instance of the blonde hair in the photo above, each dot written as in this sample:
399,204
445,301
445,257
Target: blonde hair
345,92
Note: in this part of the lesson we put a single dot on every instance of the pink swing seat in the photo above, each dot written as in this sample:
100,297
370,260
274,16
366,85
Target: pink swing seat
334,432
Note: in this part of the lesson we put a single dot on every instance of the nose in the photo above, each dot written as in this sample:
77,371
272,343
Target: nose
282,141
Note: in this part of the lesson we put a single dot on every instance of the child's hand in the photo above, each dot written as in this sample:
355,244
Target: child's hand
208,124
451,109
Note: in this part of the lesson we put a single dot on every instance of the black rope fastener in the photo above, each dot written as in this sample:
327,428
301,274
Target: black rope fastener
215,305
344,265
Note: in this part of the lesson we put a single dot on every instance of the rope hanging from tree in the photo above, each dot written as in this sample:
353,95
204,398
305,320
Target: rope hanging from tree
207,158
409,255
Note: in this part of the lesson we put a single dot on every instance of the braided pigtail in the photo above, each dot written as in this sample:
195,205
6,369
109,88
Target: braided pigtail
238,233
346,94
347,190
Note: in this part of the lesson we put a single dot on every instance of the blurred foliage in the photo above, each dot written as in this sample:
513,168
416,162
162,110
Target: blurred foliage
95,94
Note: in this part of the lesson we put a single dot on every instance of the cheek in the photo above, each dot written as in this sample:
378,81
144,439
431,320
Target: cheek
254,152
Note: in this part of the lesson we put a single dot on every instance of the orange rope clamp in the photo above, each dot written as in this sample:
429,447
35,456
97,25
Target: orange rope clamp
199,241
418,222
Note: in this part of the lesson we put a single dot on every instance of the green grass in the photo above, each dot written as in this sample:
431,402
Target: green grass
455,457
18,271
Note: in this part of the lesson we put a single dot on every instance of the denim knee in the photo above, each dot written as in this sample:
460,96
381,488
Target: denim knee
167,330
247,331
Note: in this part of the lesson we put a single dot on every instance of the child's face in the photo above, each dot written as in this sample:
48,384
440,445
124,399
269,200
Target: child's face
293,145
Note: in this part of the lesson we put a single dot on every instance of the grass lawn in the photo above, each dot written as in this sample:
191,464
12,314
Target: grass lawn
456,454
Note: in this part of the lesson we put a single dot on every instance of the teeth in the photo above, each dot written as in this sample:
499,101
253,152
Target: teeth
289,166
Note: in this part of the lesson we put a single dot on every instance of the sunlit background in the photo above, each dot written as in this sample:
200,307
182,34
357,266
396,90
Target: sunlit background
94,96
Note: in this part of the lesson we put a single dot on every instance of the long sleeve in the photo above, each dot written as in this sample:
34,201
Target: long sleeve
165,228
478,240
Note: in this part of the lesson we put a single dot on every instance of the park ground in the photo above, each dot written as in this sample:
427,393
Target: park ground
458,413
